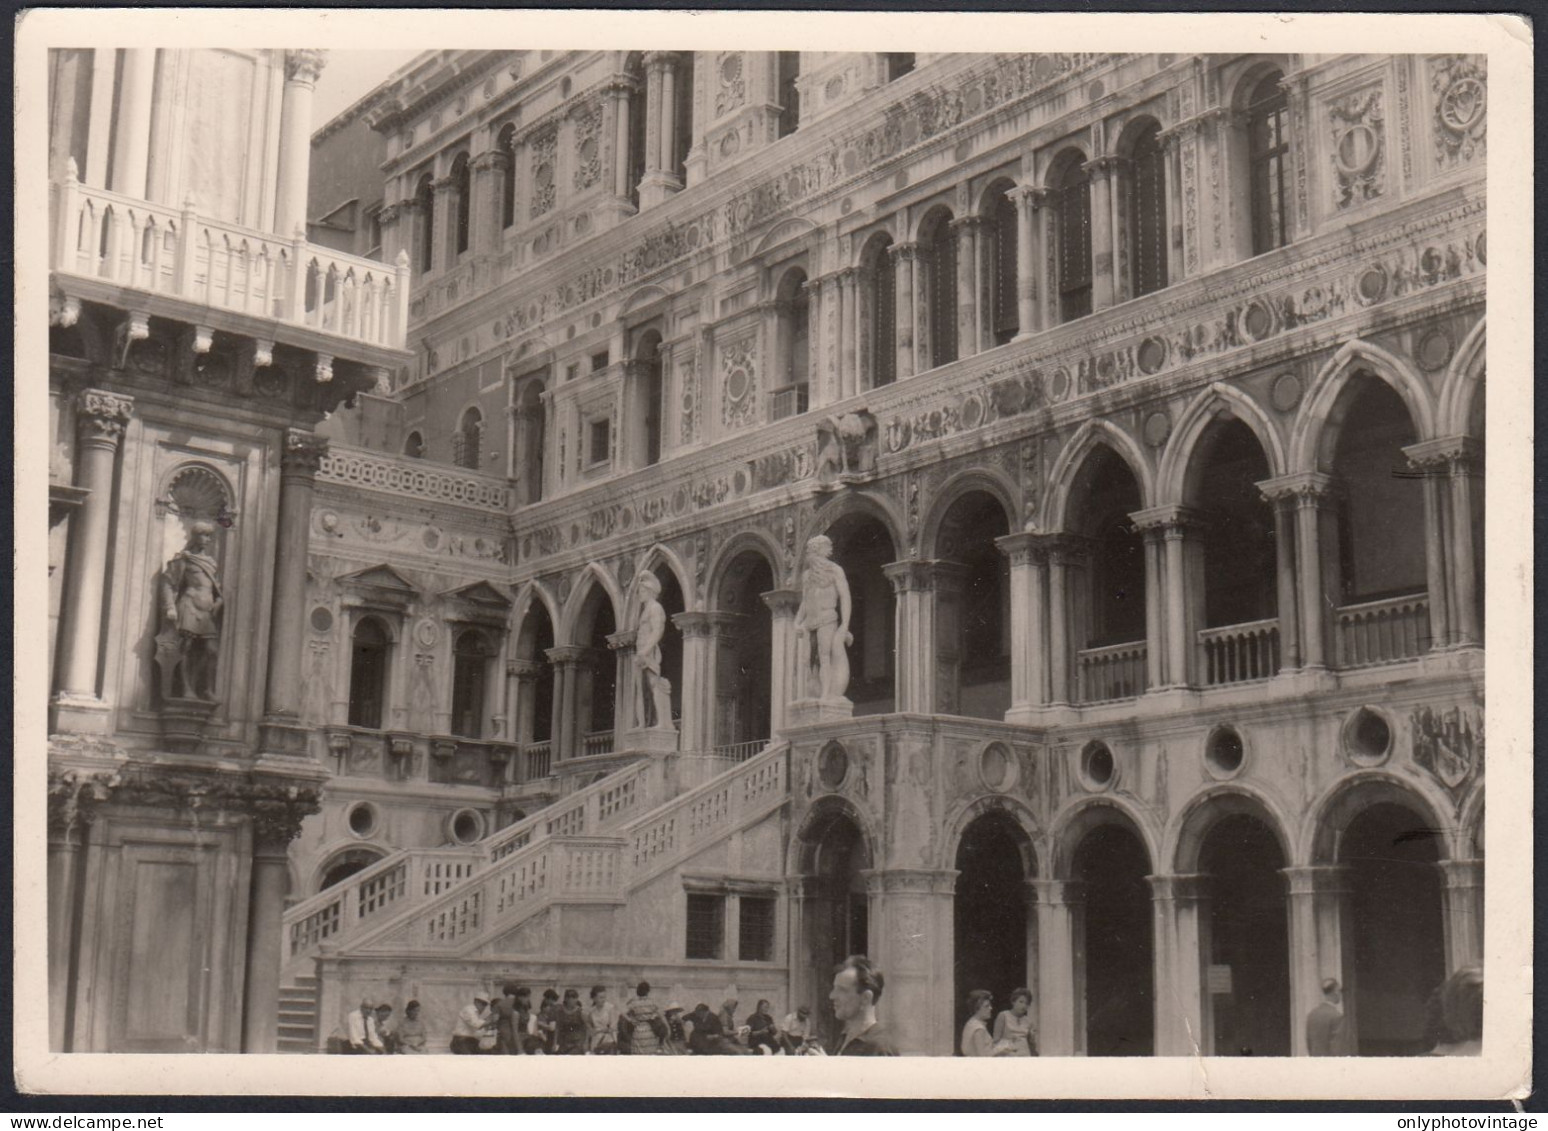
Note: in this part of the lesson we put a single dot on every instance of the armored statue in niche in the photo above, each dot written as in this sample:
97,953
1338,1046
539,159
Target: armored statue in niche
822,623
652,692
191,603
846,447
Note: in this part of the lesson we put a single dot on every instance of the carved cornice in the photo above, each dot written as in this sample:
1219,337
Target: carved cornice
73,798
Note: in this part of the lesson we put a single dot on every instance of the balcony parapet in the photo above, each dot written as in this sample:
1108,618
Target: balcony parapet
414,479
190,267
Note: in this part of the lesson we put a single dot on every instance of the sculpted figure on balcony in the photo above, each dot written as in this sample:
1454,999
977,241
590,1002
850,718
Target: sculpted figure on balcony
652,692
846,446
822,622
191,602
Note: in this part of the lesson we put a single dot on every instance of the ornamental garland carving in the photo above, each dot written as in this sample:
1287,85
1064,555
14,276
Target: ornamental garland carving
588,147
739,383
545,165
1357,124
1459,86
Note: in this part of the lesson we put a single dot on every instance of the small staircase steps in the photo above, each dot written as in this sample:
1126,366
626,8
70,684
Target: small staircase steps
298,1016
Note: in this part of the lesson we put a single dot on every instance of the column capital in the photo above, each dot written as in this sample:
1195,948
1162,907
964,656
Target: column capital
525,670
1306,487
1169,517
102,416
491,159
1023,547
276,814
968,223
1448,453
303,452
620,85
910,881
1064,548
568,654
903,251
1461,873
1317,879
303,66
622,641
784,601
692,624
910,576
661,60
1190,888
1100,168
443,184
1174,135
1059,893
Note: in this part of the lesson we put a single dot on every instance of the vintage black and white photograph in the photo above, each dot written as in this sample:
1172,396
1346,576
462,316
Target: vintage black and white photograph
651,546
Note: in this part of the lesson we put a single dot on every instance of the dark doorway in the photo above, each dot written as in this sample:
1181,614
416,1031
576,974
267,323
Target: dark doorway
839,912
990,913
1249,936
1119,959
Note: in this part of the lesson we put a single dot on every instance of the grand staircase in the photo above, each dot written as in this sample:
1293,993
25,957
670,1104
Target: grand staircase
592,848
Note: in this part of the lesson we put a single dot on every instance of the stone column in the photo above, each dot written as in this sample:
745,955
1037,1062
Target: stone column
1061,973
782,603
1319,906
1064,554
1028,201
1046,271
1155,620
905,258
1174,231
72,801
101,417
912,939
698,680
295,154
299,460
821,302
807,984
524,675
1286,595
488,178
1184,1016
1462,898
132,129
669,119
968,230
1465,466
1181,562
843,346
275,825
915,651
617,94
856,353
625,677
566,660
443,250
1311,493
1029,637
1102,171
654,186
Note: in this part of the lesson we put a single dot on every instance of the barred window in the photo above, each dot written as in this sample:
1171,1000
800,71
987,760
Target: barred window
755,929
1147,212
940,250
706,925
1074,204
1002,235
884,318
1268,152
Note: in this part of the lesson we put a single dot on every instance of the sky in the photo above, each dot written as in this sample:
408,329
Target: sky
349,75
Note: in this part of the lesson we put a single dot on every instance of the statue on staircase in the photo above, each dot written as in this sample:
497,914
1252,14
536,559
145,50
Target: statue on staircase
652,692
822,623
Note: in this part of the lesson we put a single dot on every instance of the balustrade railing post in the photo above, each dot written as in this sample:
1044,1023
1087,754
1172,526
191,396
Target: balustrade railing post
182,267
400,327
297,296
65,219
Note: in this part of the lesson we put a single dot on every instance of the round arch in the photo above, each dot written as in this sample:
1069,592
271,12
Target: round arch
877,243
1309,439
1331,815
989,199
864,503
961,816
1131,131
1191,827
1460,384
642,297
938,213
344,852
1470,827
744,541
1067,466
1213,404
659,555
1248,73
592,577
815,823
1071,826
793,229
984,480
1059,166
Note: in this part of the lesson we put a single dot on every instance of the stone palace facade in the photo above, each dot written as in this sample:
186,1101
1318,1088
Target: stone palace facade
1140,397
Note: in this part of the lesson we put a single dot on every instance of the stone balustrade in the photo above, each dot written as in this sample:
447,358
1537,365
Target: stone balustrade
1238,653
1383,632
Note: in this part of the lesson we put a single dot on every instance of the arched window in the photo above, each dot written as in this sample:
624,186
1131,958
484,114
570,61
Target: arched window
1147,212
881,300
462,184
414,446
899,63
424,197
507,147
467,442
682,114
532,428
647,436
939,249
789,95
793,315
635,69
368,673
1268,157
1000,232
1072,190
471,653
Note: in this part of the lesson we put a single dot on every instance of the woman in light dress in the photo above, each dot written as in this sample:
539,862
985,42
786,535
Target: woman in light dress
976,1040
1013,1034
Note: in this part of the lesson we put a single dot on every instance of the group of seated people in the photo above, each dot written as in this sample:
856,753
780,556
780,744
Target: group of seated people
373,1033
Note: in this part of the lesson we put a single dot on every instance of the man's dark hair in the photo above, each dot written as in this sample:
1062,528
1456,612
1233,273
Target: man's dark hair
595,990
867,976
510,989
642,990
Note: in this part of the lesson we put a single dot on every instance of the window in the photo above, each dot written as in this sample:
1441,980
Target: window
789,96
1005,319
1268,151
682,112
467,442
882,302
636,158
414,446
424,198
643,442
899,63
368,674
470,667
940,263
1147,212
706,925
462,184
599,440
792,335
599,361
507,147
374,234
1073,201
755,929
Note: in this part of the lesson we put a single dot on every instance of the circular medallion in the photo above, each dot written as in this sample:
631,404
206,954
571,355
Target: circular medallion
973,101
832,765
997,767
1286,392
972,411
1059,387
574,533
489,88
1152,355
1224,753
1479,248
851,162
322,619
1356,150
1367,737
738,381
544,177
834,88
739,481
1158,426
582,224
1463,104
730,144
1258,321
588,150
1095,90
731,67
910,130
1434,350
426,633
1372,286
431,538
1098,769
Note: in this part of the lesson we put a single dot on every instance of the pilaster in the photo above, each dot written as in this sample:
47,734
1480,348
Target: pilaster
1184,1019
1319,907
1061,975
